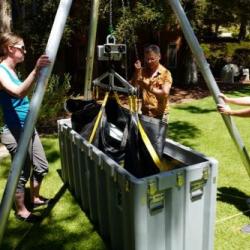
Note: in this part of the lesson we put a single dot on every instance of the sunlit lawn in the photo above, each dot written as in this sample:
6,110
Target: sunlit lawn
196,124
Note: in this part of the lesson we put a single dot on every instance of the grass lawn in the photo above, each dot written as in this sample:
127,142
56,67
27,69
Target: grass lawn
196,124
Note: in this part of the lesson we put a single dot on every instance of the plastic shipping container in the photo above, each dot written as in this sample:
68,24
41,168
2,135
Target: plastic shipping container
173,210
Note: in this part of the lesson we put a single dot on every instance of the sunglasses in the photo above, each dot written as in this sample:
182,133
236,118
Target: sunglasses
151,59
19,46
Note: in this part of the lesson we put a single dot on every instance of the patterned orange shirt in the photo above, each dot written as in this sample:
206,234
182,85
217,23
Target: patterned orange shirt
152,105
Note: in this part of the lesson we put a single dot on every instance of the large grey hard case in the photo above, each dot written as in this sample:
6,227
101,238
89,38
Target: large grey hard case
173,210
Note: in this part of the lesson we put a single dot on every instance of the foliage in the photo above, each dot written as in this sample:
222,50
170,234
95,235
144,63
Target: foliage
34,19
195,11
153,16
228,13
53,103
141,18
217,53
136,23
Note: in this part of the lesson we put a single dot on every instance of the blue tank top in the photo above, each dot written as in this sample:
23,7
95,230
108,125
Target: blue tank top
14,109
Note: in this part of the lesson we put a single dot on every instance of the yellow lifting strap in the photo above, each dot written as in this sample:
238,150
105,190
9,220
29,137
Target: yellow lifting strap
150,147
162,166
117,99
133,105
99,117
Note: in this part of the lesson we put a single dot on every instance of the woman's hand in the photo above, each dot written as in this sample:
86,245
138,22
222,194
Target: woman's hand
224,109
223,97
42,61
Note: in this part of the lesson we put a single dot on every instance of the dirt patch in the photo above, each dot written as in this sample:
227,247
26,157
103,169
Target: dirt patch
180,95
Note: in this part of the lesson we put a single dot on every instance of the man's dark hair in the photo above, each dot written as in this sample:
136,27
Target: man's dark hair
152,48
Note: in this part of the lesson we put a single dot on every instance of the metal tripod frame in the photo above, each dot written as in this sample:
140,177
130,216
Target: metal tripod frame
112,75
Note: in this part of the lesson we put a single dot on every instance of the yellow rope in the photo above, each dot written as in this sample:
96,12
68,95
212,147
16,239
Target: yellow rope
117,98
98,117
150,147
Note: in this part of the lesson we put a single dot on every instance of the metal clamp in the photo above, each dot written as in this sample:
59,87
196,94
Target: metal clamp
156,199
197,186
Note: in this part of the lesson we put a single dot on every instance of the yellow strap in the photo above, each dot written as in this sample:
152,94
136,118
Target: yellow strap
163,166
150,147
130,103
117,98
134,102
133,106
98,117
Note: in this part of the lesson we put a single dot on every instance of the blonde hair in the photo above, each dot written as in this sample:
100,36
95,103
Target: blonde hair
7,39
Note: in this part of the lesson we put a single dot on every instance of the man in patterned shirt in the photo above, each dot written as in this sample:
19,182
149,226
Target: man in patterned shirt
155,82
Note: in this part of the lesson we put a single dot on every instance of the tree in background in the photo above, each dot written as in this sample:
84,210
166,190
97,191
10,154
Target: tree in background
136,22
228,13
5,16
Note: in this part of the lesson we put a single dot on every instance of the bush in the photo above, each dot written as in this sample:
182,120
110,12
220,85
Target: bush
217,55
53,104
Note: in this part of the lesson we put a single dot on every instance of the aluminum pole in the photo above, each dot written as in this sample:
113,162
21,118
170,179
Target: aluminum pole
18,160
91,49
209,78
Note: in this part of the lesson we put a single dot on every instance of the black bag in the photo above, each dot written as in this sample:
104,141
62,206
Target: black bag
84,114
116,120
138,160
113,132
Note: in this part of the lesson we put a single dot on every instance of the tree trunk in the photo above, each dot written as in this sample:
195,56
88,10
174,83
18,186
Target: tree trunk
243,29
191,76
187,68
5,16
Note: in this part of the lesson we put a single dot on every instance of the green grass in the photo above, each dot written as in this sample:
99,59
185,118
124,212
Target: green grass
65,225
196,124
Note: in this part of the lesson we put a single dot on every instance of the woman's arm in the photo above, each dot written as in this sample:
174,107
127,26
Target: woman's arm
228,111
22,90
244,101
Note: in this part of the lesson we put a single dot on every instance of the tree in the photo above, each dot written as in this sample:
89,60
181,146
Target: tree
242,12
5,16
227,13
34,20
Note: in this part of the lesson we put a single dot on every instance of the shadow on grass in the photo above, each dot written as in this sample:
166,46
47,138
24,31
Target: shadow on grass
181,131
235,197
38,226
25,231
53,234
52,153
196,110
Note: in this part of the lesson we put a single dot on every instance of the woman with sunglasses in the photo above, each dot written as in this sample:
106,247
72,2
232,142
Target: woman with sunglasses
15,107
